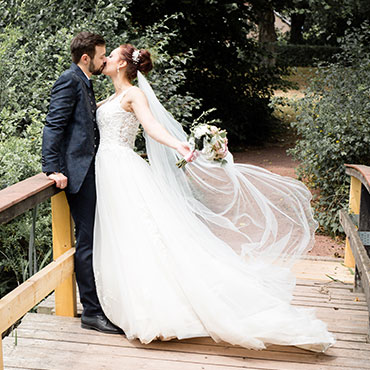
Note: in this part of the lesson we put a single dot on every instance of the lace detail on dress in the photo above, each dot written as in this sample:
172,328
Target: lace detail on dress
116,126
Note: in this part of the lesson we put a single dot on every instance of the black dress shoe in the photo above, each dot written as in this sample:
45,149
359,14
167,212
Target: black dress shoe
101,323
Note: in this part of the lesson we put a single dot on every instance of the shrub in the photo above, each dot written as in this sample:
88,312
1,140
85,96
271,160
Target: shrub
333,124
289,55
34,49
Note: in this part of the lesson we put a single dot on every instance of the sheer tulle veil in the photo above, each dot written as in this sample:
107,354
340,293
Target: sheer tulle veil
261,215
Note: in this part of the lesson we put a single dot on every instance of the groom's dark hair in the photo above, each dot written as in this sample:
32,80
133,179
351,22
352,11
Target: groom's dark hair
84,43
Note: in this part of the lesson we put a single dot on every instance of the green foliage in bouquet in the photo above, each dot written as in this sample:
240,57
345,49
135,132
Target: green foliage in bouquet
333,124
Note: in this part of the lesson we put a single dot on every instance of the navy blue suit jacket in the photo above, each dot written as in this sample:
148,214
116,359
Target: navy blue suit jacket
70,136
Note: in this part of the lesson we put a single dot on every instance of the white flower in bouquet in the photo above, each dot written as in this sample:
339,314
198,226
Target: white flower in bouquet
210,141
201,130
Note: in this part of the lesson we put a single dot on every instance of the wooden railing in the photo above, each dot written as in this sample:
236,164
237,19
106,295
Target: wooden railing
356,225
59,274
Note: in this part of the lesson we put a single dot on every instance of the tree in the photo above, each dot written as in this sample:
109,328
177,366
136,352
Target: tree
227,71
333,124
321,22
34,50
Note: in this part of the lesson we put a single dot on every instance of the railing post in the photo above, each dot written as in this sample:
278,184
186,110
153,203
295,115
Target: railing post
32,265
354,207
1,353
63,240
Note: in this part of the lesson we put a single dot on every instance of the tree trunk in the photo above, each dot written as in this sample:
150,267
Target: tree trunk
266,26
267,34
297,21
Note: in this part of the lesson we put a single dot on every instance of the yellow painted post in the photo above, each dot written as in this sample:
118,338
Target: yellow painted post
63,240
1,353
354,207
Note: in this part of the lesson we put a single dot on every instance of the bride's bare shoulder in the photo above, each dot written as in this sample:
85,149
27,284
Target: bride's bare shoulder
135,90
137,94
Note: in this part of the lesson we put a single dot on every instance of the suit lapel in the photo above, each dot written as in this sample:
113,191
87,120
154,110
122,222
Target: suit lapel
80,74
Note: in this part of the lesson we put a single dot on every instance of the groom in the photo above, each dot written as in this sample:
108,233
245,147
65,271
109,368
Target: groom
70,142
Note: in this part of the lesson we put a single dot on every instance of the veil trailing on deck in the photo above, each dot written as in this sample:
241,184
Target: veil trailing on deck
258,213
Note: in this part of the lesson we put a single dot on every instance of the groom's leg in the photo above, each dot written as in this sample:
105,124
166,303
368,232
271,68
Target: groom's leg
82,205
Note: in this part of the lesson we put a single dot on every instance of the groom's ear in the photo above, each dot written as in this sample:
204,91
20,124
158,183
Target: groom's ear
84,58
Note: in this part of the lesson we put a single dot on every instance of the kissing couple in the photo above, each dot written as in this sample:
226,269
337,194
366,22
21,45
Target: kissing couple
163,252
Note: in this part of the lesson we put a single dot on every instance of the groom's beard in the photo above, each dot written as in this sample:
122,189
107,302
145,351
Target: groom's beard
95,71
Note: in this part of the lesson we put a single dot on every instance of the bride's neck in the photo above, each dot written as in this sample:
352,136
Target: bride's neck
121,83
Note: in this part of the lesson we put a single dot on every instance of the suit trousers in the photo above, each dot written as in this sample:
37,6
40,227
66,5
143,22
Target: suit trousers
82,205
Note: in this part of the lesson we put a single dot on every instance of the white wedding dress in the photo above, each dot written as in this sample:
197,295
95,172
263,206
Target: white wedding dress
162,273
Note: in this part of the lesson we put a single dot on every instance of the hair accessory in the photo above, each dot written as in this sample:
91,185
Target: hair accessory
136,56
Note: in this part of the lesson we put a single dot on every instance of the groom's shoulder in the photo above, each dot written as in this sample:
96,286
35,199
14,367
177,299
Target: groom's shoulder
67,78
69,74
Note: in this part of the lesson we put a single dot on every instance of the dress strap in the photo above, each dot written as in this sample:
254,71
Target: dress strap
123,93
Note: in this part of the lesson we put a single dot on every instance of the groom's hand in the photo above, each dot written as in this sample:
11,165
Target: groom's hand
60,180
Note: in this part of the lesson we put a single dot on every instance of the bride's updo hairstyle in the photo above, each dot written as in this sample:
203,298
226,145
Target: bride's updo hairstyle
141,60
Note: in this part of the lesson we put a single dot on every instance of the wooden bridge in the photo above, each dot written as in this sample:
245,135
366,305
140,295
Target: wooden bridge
52,338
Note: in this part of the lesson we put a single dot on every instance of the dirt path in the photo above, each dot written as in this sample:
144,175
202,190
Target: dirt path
276,160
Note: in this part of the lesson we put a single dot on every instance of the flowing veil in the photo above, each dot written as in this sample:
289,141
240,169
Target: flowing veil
261,215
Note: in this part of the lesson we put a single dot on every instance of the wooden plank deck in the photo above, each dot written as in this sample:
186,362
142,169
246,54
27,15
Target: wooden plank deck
45,341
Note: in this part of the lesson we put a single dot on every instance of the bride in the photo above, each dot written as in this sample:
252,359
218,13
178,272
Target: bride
199,251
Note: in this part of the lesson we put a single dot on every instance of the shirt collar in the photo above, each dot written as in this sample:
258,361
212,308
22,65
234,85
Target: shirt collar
81,73
86,75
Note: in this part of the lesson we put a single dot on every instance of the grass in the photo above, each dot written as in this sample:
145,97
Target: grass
283,132
301,76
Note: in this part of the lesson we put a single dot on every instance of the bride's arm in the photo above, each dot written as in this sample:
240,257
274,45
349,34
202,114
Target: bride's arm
152,127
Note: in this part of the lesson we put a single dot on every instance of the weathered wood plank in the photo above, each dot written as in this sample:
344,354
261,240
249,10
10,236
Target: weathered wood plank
40,338
54,323
327,288
335,326
359,251
319,283
331,296
62,331
24,195
19,301
201,347
319,270
326,299
347,311
361,172
92,361
127,349
335,306
49,331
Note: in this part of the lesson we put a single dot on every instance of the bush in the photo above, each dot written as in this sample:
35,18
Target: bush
34,50
333,124
289,55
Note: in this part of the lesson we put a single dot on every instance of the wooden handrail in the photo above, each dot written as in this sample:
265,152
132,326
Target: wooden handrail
361,172
59,274
356,253
27,295
360,178
18,198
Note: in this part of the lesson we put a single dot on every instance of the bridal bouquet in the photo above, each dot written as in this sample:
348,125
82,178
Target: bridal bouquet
208,140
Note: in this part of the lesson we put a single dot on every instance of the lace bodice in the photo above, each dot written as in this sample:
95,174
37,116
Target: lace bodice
116,126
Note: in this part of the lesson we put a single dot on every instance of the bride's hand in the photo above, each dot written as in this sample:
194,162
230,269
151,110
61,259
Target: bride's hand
184,149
